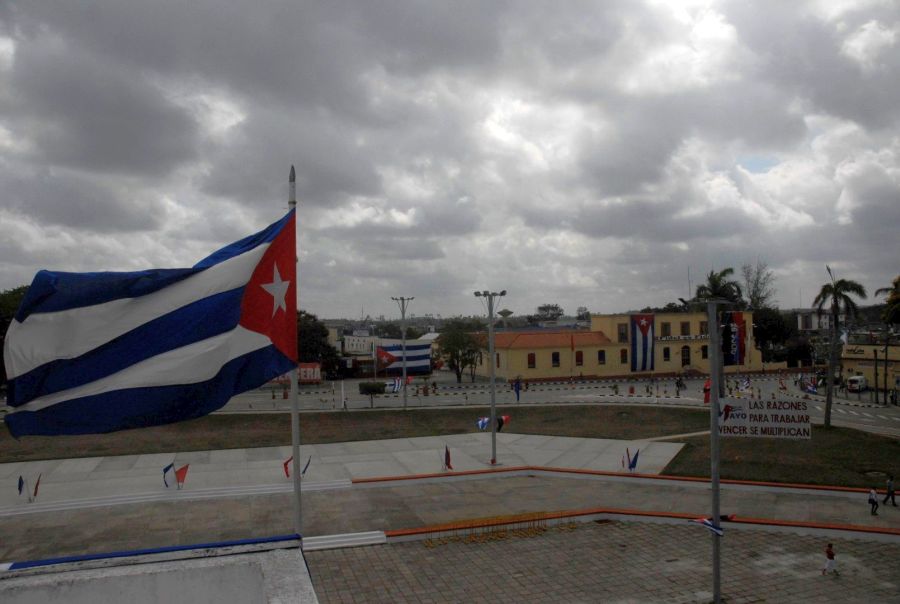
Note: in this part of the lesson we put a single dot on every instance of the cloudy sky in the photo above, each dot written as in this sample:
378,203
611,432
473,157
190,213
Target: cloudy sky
579,153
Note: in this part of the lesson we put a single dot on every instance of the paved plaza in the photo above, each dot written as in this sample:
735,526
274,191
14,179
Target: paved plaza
611,562
96,505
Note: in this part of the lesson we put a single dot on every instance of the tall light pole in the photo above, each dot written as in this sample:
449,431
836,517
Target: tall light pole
403,303
490,296
715,360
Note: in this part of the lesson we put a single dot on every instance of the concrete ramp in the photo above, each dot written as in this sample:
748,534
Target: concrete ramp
253,578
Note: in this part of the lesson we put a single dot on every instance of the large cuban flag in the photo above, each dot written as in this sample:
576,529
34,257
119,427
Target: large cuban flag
418,357
99,352
642,342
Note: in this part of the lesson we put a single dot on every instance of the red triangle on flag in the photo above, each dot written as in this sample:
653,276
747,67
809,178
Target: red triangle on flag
181,473
269,305
384,357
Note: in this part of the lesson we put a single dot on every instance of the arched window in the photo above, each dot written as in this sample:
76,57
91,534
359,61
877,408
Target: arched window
685,356
531,363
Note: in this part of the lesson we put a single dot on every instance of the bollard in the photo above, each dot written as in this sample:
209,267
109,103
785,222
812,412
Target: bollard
630,390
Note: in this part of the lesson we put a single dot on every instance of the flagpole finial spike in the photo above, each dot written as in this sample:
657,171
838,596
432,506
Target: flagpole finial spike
292,188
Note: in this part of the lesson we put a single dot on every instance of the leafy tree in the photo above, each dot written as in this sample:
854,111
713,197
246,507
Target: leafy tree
390,330
718,285
10,300
546,312
837,294
583,314
770,328
457,344
758,285
412,333
313,346
891,312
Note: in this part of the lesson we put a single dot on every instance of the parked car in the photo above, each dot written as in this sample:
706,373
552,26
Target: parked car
857,383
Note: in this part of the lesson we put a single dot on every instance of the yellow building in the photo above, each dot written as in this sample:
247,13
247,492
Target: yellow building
679,344
859,359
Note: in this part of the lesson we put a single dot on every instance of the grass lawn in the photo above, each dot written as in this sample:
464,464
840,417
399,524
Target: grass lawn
833,456
837,456
234,431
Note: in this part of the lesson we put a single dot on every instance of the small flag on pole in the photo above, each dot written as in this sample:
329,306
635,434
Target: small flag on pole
447,465
707,386
483,423
181,474
21,484
303,473
37,485
501,421
287,466
166,470
632,461
707,523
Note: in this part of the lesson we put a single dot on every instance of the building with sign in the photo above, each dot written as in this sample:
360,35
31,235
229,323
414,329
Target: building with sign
861,359
623,345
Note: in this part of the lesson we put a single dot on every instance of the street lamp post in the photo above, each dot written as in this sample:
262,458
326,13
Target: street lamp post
715,355
490,296
403,303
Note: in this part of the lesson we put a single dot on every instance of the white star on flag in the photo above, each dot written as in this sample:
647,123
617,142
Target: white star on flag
643,322
278,289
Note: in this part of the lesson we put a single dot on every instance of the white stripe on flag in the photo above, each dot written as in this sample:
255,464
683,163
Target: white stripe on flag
190,364
45,337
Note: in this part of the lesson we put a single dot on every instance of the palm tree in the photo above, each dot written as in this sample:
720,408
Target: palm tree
891,313
718,285
837,294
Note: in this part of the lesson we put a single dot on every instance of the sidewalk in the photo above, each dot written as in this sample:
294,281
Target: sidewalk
107,504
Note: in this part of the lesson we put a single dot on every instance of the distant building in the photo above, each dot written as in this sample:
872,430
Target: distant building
679,345
860,359
810,319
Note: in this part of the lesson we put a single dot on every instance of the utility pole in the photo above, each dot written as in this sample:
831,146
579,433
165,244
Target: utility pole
490,296
403,303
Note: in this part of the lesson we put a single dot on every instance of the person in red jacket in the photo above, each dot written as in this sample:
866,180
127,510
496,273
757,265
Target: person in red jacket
829,561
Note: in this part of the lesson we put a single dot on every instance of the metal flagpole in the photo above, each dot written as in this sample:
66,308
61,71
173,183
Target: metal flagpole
295,394
715,353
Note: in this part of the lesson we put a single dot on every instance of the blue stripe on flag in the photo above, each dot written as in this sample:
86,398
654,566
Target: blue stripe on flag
139,407
56,291
52,291
203,319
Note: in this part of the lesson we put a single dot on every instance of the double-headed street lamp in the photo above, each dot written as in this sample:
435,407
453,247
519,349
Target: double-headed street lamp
403,303
490,296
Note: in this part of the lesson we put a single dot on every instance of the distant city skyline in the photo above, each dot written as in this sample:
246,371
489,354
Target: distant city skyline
584,153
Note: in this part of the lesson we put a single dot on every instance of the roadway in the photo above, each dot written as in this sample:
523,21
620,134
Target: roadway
854,412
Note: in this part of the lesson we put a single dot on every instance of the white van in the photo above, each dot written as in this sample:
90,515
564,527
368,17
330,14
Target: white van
857,383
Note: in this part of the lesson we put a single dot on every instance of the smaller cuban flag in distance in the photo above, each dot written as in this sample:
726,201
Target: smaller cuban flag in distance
98,352
642,342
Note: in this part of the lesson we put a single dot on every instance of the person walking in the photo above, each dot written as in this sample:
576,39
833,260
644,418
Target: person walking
890,491
873,501
829,561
